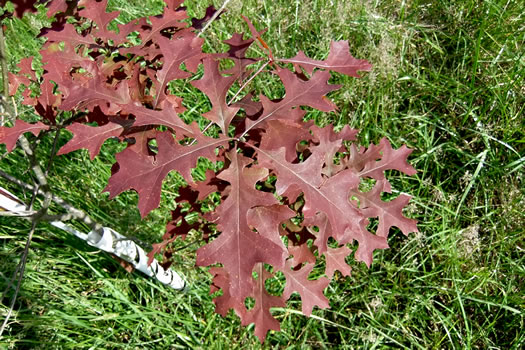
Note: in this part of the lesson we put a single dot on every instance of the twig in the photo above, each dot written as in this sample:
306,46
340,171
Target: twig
5,77
20,270
53,151
248,81
40,175
214,17
42,183
77,213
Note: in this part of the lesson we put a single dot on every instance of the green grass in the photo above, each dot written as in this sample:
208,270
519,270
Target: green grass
448,81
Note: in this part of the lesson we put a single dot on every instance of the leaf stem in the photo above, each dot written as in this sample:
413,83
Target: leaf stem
234,96
248,81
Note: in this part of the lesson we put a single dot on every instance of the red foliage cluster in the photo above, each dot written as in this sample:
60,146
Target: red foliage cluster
289,190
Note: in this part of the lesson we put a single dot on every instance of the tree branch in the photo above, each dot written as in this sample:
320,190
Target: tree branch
76,213
5,77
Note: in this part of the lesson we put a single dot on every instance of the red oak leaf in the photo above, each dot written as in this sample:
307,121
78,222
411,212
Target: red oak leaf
298,93
28,99
58,63
226,301
167,117
292,179
145,174
284,133
267,221
311,291
260,313
9,136
96,11
301,254
335,260
391,159
22,6
251,107
389,213
359,157
199,23
25,66
330,142
343,219
339,60
170,18
47,98
258,35
236,53
95,93
48,101
216,86
90,137
138,140
22,76
55,6
66,33
15,80
176,51
324,231
330,197
238,248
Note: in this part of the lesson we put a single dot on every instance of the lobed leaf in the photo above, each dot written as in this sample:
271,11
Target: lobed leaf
10,136
339,60
145,174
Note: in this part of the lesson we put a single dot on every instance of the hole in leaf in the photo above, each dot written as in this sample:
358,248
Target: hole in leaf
275,284
217,293
152,145
310,243
332,243
366,184
268,268
372,225
387,197
225,65
249,303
